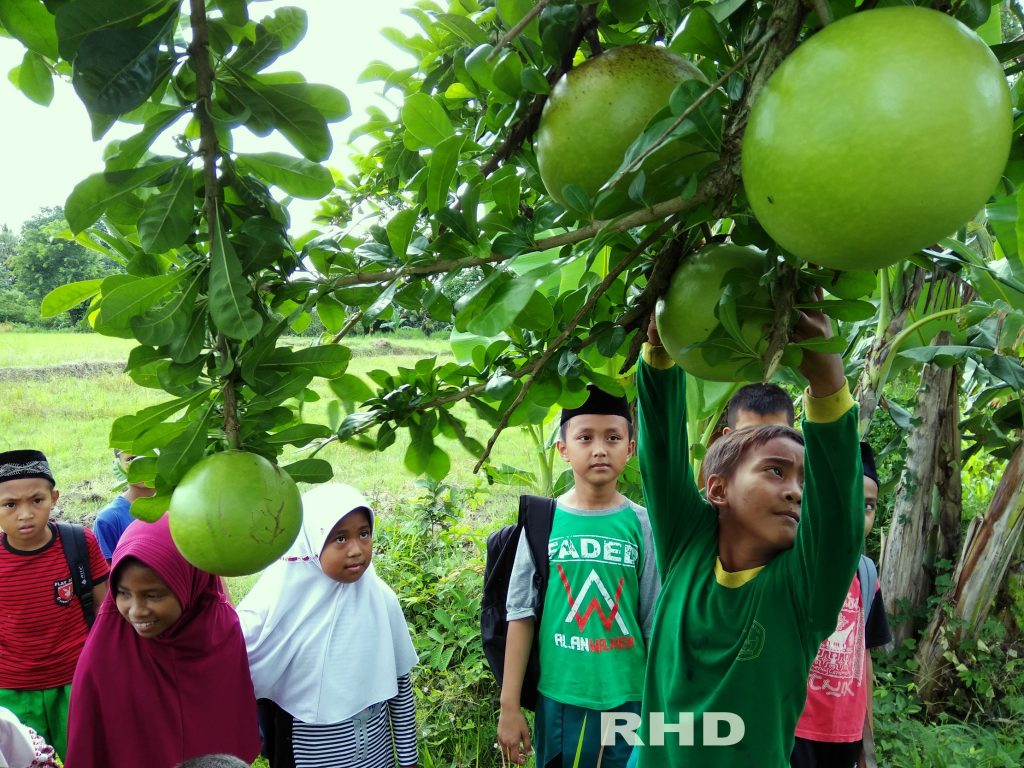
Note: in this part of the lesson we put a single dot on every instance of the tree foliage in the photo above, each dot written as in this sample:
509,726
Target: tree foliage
213,279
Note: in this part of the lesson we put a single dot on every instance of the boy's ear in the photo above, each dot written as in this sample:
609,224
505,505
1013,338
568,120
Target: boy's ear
714,489
632,447
561,446
55,496
726,431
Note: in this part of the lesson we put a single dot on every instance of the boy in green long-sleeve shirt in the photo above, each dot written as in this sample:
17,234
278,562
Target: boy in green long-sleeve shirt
754,575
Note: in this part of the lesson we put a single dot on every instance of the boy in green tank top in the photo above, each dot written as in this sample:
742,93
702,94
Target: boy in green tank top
754,574
598,606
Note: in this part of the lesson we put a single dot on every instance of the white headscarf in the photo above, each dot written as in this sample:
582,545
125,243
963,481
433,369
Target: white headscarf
319,649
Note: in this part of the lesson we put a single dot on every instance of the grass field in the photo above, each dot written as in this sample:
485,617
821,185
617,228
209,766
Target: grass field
61,392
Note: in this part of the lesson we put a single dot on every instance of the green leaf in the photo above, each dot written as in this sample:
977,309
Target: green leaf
231,306
32,24
847,310
116,70
149,509
350,389
75,20
556,25
178,456
93,195
285,109
33,78
844,285
943,355
444,161
699,33
125,429
479,67
133,297
331,313
126,154
166,221
300,435
64,297
399,230
469,32
310,471
325,360
296,176
426,122
508,73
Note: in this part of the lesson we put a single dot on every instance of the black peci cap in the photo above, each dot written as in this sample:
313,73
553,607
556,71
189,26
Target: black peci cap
600,403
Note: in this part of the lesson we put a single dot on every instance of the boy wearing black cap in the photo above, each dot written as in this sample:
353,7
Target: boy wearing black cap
43,629
598,606
838,710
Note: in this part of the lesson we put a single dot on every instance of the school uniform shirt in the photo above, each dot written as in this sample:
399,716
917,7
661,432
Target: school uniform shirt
598,608
112,521
730,651
42,629
837,685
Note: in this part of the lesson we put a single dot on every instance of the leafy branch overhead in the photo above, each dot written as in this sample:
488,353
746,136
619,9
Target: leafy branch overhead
448,186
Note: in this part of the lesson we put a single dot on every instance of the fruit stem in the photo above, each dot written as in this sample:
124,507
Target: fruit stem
520,25
232,426
209,147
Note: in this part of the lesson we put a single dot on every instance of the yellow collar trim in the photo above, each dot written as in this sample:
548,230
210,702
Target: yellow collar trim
734,579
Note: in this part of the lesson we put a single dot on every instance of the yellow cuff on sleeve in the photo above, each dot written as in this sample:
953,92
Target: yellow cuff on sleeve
657,357
824,410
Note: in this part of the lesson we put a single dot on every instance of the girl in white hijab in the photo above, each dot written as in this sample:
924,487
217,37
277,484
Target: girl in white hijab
329,648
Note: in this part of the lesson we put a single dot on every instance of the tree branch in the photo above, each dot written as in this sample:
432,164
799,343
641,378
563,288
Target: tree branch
347,327
520,25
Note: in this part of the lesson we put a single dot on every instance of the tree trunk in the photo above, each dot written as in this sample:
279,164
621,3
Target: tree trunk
907,572
988,549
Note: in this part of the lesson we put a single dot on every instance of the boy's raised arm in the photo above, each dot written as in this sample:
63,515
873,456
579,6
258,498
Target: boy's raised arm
674,504
831,531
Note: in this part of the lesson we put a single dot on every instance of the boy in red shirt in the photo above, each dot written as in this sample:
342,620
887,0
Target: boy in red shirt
42,629
830,731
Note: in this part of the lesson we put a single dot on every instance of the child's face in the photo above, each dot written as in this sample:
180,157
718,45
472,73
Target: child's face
870,502
25,506
145,601
349,548
745,418
597,447
761,500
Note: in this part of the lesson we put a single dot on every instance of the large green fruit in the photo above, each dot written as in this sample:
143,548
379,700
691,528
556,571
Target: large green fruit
877,137
686,314
234,513
598,109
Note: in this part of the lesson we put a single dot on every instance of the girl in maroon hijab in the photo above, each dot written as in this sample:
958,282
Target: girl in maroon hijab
164,675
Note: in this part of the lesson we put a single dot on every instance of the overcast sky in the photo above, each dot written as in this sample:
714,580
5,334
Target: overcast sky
47,150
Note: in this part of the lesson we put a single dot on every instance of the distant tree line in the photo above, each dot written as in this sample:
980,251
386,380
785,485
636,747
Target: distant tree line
39,258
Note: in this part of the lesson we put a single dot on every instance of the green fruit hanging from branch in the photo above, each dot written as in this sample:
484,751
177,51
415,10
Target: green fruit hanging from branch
234,513
881,135
597,110
691,331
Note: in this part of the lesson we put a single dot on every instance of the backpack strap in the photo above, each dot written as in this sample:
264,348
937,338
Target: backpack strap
536,514
76,552
867,573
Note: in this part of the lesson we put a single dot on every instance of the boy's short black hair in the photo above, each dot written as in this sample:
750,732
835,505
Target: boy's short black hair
213,761
728,451
762,399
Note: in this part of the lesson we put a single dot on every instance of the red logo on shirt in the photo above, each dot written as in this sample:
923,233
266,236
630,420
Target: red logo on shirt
576,602
63,591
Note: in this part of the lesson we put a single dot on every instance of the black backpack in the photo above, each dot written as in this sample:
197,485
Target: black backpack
76,552
535,515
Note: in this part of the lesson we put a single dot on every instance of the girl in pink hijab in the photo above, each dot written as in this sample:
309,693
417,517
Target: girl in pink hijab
163,676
